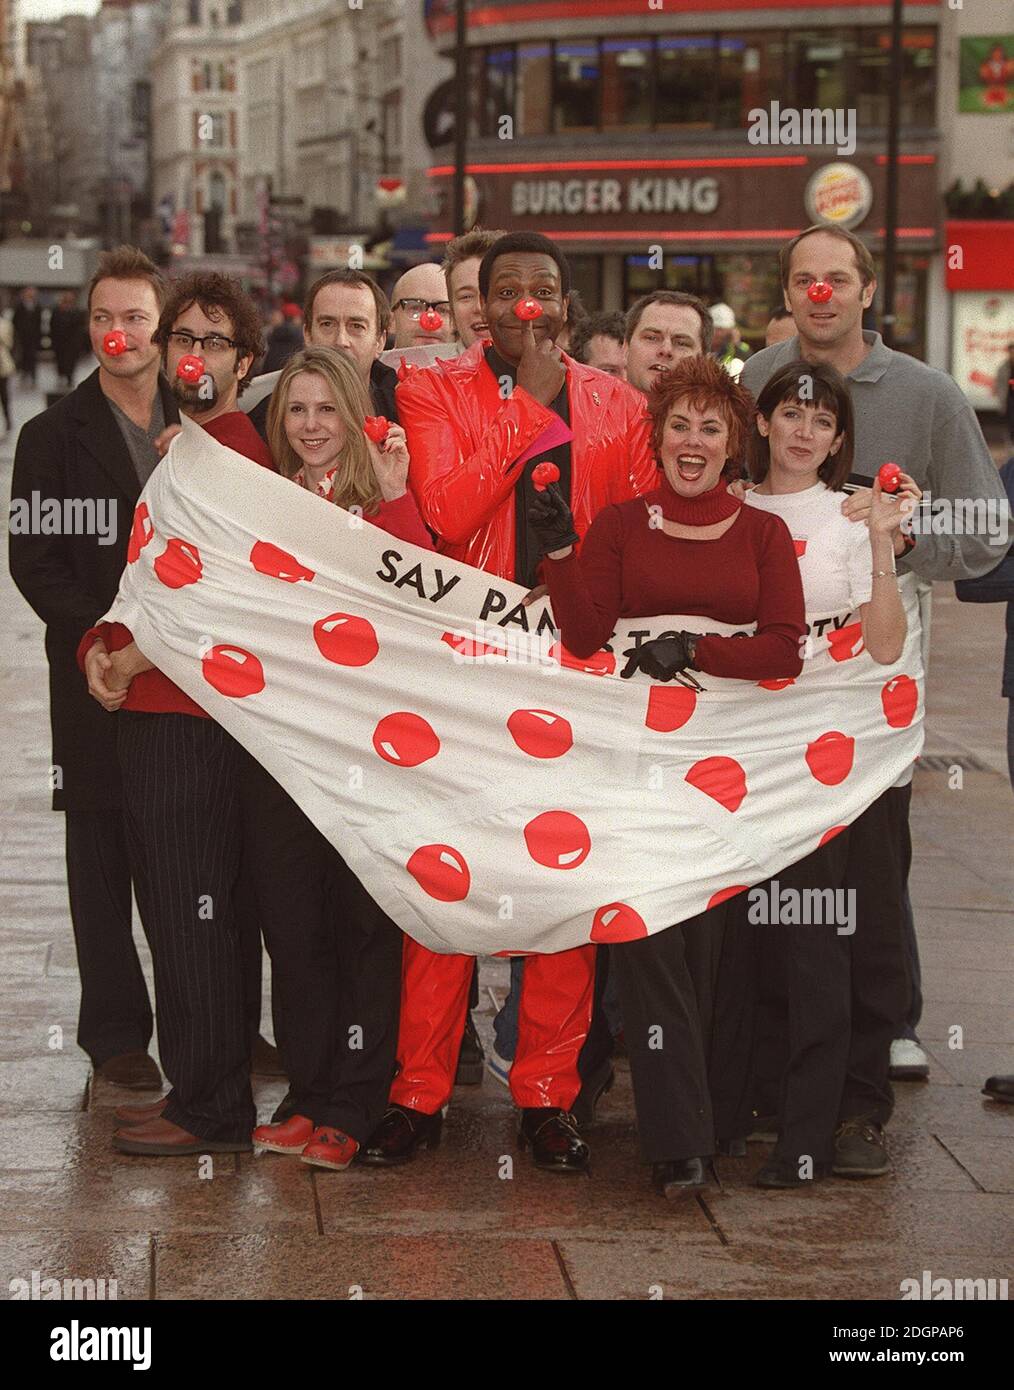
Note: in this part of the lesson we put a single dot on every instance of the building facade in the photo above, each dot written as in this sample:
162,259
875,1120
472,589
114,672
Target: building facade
628,132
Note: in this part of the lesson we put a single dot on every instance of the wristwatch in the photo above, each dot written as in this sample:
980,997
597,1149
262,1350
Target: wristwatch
690,638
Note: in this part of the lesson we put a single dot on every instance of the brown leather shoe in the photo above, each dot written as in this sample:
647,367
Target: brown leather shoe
160,1138
135,1070
140,1114
264,1059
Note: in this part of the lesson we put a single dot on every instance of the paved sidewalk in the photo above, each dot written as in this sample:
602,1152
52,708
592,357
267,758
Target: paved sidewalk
460,1223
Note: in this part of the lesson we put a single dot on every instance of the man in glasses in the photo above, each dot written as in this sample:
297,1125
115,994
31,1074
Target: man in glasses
419,299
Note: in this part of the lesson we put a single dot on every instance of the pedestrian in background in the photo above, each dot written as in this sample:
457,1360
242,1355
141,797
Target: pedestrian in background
28,333
7,367
67,335
284,338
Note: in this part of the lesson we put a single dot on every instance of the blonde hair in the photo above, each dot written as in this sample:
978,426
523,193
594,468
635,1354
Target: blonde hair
355,483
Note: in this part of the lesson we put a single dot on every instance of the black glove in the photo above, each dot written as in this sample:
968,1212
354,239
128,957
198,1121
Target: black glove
663,659
551,520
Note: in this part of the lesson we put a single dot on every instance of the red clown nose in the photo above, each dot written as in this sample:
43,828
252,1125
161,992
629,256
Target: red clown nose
375,427
190,368
543,474
431,321
114,343
889,477
528,309
820,292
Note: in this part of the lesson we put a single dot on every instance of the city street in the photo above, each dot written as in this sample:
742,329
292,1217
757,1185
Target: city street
474,1220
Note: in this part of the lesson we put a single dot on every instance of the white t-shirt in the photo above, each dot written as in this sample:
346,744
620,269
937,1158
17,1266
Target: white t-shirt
835,558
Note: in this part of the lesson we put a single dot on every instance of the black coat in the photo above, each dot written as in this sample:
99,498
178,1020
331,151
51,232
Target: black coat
76,450
383,380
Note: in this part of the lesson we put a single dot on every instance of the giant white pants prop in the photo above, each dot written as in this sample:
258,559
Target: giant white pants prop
489,797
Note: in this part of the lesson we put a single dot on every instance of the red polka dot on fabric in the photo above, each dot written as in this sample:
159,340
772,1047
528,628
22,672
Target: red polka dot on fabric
540,733
405,739
233,671
900,699
843,643
669,707
279,564
776,685
830,834
441,871
346,639
617,922
141,531
558,840
724,894
179,564
598,664
830,757
723,779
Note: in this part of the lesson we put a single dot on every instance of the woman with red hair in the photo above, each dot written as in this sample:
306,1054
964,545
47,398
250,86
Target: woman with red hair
688,547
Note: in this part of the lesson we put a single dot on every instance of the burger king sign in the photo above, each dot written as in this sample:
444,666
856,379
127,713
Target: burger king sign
840,195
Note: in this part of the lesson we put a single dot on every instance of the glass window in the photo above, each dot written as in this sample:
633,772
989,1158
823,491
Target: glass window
685,82
586,278
821,59
576,86
751,285
749,76
194,12
534,88
498,94
474,66
639,278
626,83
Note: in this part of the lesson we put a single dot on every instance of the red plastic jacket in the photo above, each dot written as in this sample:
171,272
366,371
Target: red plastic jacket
463,437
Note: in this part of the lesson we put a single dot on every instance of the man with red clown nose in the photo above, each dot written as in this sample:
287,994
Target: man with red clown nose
180,774
474,426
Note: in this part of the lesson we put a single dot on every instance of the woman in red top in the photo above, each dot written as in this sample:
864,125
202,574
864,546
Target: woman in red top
335,956
689,547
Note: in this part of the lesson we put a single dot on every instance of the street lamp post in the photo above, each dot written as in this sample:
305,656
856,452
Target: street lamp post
460,116
891,211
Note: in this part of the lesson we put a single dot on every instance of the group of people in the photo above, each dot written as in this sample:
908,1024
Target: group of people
744,459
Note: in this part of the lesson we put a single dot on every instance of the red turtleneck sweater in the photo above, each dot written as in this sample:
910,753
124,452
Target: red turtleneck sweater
629,568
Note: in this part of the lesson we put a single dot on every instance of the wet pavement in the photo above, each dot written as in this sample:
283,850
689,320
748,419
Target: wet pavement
474,1219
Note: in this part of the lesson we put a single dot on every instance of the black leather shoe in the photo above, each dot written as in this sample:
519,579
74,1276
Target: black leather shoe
557,1145
731,1148
678,1176
783,1173
470,1058
592,1092
134,1070
1000,1088
285,1109
398,1135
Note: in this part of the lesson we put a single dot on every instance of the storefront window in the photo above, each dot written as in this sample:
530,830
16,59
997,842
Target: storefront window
498,96
751,286
820,60
686,83
749,76
576,86
534,88
475,70
626,83
909,302
586,278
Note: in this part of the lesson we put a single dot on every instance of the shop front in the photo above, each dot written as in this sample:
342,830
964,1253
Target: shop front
711,225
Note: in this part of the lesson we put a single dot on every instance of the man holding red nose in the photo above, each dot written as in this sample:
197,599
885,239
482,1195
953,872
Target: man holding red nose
477,425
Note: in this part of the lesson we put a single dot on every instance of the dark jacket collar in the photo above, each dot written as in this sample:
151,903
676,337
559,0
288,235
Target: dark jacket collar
102,437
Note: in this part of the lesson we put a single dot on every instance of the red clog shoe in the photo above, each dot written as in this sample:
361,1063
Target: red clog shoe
289,1137
329,1148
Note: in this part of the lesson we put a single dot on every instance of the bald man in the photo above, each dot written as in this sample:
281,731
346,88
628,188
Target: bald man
419,289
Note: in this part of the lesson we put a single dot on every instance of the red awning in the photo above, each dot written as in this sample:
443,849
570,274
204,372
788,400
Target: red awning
987,255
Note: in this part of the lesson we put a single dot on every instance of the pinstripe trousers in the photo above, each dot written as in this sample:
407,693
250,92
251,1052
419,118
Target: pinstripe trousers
183,837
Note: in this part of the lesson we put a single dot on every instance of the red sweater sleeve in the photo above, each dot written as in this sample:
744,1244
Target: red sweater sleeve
401,519
151,692
586,591
775,650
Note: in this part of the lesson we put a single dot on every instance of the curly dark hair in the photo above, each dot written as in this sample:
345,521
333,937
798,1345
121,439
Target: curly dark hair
217,296
705,384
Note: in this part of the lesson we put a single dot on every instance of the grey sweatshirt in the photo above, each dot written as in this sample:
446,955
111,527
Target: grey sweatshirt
917,416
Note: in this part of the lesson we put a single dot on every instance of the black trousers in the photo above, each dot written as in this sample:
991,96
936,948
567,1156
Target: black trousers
115,1013
183,832
881,986
806,967
335,963
687,999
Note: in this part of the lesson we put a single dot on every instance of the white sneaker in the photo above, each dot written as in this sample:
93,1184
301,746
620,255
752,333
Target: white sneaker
908,1061
498,1067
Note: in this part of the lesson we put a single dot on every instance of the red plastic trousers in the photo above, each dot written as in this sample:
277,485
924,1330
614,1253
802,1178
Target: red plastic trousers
556,1005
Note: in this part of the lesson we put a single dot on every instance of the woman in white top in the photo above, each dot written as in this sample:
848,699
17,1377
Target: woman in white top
833,1096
